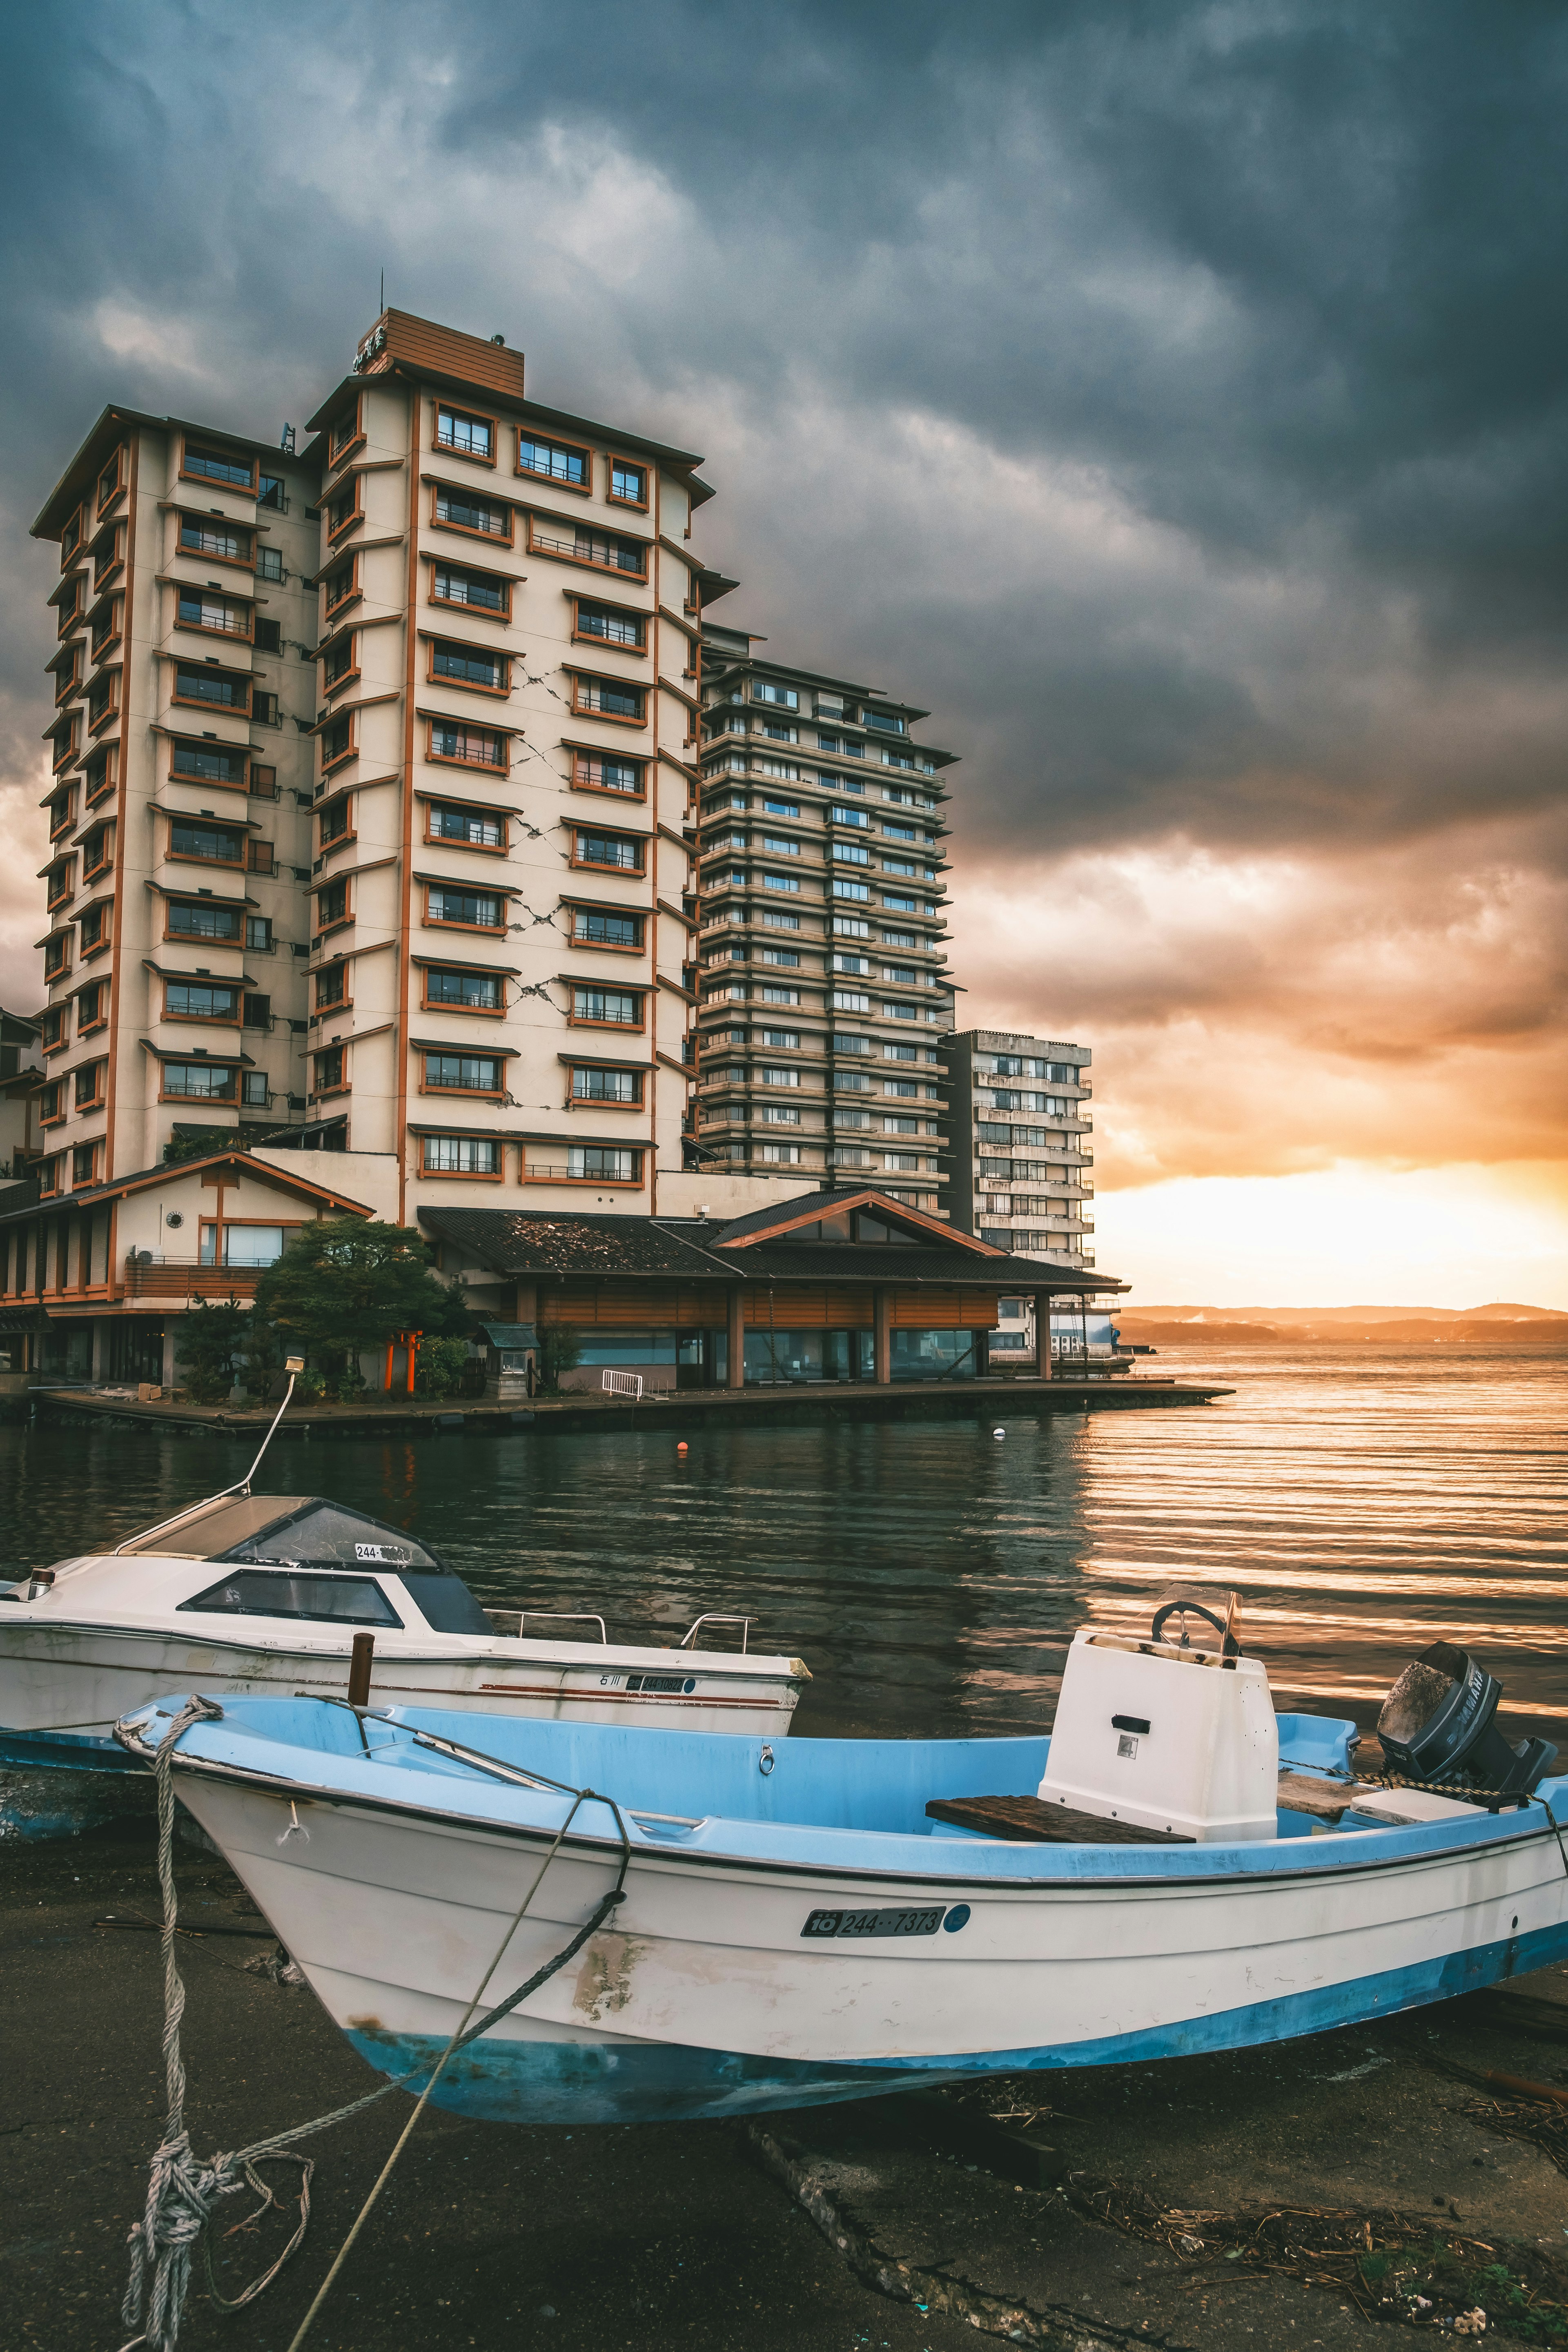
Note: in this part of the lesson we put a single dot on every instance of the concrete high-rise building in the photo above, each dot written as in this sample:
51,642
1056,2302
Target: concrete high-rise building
825,994
397,735
1018,1144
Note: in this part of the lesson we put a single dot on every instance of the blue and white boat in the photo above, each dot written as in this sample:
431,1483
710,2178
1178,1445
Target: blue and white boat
825,1919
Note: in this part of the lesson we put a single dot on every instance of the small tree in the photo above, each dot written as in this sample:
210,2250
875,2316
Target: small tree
439,1365
346,1286
212,1334
199,1146
558,1352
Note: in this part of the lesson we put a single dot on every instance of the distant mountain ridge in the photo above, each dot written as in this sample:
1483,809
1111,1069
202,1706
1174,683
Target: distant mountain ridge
1503,1322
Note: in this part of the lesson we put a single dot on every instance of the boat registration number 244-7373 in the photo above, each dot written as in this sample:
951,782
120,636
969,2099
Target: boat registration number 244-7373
953,1916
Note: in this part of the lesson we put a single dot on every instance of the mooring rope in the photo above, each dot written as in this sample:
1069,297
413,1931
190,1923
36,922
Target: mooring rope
182,2192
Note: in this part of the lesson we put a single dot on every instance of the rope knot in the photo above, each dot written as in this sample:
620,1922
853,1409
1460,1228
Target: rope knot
181,2194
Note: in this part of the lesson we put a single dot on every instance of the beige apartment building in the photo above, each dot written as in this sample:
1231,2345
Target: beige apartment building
1019,1146
371,766
823,988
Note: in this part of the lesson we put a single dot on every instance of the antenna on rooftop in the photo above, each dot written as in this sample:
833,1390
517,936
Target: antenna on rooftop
382,304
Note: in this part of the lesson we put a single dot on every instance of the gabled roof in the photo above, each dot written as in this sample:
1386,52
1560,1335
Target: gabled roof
534,1241
784,1216
91,1195
538,1242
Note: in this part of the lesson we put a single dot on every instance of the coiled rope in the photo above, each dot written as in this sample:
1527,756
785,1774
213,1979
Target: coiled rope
182,2192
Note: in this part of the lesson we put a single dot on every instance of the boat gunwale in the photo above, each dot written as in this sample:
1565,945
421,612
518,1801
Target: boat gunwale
639,1658
689,1858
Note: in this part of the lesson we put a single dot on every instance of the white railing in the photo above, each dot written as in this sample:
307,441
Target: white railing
626,1384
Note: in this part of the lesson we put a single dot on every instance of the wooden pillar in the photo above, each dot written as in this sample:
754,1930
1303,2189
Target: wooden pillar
735,1363
882,1329
1043,1336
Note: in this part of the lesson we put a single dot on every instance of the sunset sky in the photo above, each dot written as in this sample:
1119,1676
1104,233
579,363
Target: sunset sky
1172,398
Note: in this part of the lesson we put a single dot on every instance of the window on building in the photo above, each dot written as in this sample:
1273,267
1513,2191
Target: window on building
218,466
777,920
340,585
782,1041
217,689
552,461
92,1007
595,928
610,1166
780,881
191,918
584,546
606,1086
337,741
208,763
468,1074
270,493
329,1069
470,435
451,821
610,697
340,660
480,910
617,1008
610,625
202,608
201,1081
623,852
482,592
461,511
84,1164
784,697
475,992
269,564
472,747
468,666
253,1089
334,819
601,774
629,482
200,999
204,535
331,986
218,844
462,1155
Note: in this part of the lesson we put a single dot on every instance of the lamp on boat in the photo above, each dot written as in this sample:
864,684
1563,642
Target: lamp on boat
1436,1725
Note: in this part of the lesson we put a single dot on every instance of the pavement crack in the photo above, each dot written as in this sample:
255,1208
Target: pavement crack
935,2287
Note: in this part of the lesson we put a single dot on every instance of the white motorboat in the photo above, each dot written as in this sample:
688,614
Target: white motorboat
262,1593
1175,1870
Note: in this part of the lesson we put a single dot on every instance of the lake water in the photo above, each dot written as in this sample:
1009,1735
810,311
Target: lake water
1364,1504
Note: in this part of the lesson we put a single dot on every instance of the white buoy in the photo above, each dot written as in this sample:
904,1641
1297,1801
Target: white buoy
998,1432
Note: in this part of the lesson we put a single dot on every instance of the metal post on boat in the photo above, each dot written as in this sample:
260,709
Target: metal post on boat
293,1366
359,1669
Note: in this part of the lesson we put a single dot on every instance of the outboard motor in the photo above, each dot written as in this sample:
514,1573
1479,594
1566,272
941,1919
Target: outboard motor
1436,1725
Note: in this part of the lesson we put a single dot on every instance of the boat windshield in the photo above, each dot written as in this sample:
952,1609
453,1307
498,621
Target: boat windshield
324,1534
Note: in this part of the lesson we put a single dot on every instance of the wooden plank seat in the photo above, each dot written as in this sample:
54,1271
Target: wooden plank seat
1030,1820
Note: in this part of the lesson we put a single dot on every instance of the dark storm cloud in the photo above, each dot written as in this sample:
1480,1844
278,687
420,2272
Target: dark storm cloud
1170,397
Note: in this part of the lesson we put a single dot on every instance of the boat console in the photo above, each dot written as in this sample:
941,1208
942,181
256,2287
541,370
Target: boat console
1169,1734
1177,1737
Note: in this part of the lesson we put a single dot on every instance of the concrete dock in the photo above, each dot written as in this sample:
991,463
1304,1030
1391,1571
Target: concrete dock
375,1416
1227,2203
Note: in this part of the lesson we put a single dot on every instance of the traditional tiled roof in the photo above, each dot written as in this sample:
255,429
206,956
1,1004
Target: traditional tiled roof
89,1196
523,1242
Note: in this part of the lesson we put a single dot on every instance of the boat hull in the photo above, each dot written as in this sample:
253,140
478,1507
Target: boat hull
63,1687
546,2079
713,1994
